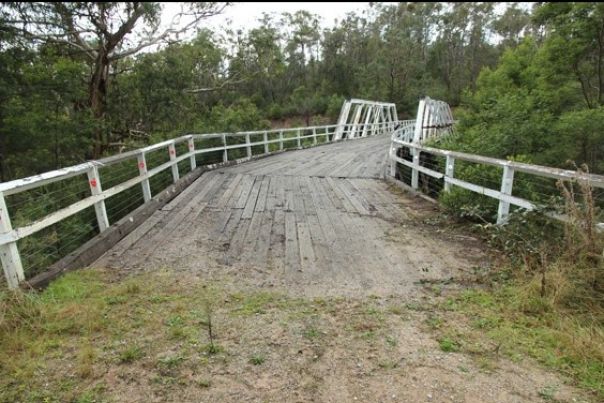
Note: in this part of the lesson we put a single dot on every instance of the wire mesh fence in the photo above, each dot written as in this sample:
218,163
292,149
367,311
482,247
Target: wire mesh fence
61,213
476,186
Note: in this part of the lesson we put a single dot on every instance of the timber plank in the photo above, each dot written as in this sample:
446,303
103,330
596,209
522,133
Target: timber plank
246,188
248,211
292,251
307,253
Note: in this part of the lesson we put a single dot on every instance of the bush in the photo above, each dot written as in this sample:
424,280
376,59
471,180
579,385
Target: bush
560,262
334,105
275,111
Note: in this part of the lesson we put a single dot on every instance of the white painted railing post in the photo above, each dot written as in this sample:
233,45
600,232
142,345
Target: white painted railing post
414,171
449,171
314,136
299,134
142,170
191,145
326,135
507,181
248,147
419,122
94,180
281,140
392,161
265,142
225,156
172,152
9,254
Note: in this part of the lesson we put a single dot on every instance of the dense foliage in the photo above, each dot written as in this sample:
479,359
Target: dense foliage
73,89
529,83
543,100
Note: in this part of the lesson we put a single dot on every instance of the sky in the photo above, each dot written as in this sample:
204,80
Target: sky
245,15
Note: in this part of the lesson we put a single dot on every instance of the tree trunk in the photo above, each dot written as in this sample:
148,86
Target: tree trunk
392,78
3,171
97,92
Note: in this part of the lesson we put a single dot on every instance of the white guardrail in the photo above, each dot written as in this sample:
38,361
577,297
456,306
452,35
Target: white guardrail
9,253
503,195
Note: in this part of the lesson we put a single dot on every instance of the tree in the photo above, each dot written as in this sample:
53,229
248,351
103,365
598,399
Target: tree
101,33
302,44
512,25
165,92
575,45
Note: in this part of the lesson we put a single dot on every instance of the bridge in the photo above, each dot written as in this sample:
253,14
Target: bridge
316,207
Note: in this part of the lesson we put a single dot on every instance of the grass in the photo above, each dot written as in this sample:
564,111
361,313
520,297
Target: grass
57,345
519,324
170,362
311,333
85,317
255,304
447,345
62,344
130,354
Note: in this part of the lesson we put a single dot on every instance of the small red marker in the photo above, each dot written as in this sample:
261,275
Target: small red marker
93,183
172,152
141,165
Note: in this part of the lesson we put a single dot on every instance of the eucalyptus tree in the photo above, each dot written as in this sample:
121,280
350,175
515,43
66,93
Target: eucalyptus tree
513,24
302,43
575,45
103,33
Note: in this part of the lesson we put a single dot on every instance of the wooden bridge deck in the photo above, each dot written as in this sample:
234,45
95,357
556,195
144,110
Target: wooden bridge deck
318,221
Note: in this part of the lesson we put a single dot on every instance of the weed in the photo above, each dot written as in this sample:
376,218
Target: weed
370,335
447,345
436,289
132,288
255,304
212,349
209,311
372,311
434,322
391,341
92,395
257,359
130,354
463,369
396,310
170,362
485,323
174,321
547,393
310,333
159,299
204,383
486,364
85,361
116,299
416,306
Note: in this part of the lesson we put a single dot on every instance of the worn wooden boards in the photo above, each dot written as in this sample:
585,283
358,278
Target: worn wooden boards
319,227
351,159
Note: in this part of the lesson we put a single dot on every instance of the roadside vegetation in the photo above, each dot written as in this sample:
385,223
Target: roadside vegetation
544,298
